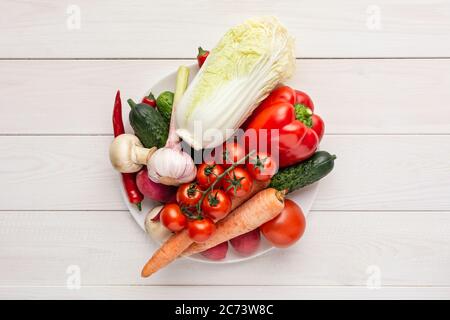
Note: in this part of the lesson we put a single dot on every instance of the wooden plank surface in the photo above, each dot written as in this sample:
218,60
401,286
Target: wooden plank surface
353,96
378,71
173,28
339,249
386,173
225,292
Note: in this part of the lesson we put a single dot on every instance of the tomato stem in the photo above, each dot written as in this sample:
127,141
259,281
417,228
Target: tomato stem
220,177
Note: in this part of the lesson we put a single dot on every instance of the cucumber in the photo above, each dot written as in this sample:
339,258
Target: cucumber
303,173
164,104
148,125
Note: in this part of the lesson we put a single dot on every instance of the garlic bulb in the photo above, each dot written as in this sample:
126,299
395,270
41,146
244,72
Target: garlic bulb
171,165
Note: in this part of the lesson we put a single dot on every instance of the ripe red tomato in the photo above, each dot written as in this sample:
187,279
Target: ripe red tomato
200,230
207,173
286,228
188,195
232,152
238,182
173,218
318,126
216,204
302,98
261,166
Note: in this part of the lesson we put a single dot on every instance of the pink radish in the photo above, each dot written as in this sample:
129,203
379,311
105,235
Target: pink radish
218,252
247,243
155,191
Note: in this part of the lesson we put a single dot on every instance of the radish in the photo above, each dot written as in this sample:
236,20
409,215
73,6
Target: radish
247,243
218,252
155,191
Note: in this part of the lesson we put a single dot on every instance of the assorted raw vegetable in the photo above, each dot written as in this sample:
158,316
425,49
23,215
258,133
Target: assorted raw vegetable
268,203
178,242
235,194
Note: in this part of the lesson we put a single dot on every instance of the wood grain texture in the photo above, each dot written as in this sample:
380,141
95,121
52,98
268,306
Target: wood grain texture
225,292
174,28
353,96
338,249
373,172
385,207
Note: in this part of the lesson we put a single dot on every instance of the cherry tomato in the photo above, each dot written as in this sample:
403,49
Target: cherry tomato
216,204
207,173
318,126
201,229
238,182
232,152
173,218
261,166
188,195
286,228
302,98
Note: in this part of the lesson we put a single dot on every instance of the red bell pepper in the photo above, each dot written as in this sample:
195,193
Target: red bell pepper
300,130
317,124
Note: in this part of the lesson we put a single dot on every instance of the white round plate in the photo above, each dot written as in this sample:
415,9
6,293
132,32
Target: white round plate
303,197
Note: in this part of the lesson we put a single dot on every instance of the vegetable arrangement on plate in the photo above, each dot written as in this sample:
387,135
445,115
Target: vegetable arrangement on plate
257,139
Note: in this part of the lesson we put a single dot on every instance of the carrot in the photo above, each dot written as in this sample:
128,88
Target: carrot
180,241
173,247
257,187
262,207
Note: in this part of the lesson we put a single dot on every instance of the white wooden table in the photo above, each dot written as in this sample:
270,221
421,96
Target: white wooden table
379,72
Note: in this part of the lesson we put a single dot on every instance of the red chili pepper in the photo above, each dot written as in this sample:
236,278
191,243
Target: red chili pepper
117,116
128,179
201,56
299,130
150,100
